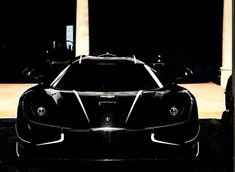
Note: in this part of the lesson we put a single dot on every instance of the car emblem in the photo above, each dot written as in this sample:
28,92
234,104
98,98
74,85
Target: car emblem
107,119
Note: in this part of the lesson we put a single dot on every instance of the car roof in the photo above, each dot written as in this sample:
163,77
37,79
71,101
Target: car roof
106,59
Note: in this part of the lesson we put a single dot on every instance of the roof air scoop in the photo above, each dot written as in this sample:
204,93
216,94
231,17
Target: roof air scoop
107,55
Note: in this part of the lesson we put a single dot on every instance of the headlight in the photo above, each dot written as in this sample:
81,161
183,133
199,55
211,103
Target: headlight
41,107
39,110
174,111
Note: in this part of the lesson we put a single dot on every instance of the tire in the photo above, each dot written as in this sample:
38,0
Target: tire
21,157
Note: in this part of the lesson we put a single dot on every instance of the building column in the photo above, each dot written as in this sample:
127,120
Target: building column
226,69
82,28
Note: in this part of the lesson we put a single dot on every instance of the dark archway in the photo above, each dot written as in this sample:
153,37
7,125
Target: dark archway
186,33
29,30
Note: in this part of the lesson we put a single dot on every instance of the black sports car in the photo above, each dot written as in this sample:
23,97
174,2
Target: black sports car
107,108
228,115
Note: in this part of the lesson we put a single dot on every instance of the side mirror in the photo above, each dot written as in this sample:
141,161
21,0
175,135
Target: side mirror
30,74
187,74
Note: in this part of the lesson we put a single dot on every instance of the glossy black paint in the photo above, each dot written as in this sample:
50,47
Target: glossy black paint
228,114
157,123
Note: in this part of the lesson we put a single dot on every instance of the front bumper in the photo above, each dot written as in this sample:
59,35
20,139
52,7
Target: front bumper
105,144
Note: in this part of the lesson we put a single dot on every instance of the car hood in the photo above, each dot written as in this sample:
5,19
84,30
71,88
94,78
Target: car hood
136,109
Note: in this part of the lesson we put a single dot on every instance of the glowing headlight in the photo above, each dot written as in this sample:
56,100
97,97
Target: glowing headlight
174,111
41,111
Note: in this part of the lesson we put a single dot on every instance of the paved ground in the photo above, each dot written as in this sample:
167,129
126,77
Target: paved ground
9,96
210,98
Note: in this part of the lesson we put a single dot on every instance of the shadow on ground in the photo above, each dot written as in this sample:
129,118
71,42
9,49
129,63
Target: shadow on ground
216,154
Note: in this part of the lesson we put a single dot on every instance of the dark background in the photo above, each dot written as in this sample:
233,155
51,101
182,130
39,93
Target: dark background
185,33
28,29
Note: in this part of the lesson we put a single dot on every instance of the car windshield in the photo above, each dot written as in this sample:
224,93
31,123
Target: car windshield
107,77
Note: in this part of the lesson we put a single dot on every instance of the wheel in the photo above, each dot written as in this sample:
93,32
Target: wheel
227,120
